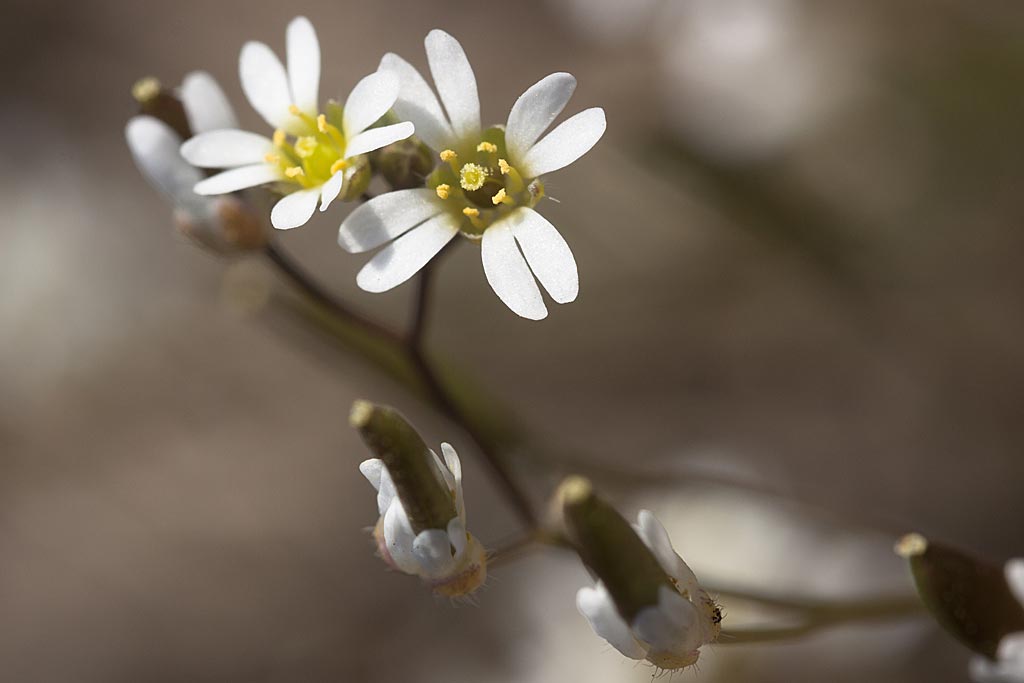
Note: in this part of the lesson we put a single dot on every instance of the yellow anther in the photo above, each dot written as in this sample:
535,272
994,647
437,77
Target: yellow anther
279,138
472,177
339,165
272,158
443,190
145,89
471,212
321,123
449,155
501,198
487,147
306,146
294,110
294,171
504,166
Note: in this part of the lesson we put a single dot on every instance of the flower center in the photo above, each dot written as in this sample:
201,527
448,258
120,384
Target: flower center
310,160
482,185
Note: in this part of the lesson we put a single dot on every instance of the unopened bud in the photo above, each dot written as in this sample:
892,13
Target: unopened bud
158,102
404,164
358,174
969,597
230,226
409,461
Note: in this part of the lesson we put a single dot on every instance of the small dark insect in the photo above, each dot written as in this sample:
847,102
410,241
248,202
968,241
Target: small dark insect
716,615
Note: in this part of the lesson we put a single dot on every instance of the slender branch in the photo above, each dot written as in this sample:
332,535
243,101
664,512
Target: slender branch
291,269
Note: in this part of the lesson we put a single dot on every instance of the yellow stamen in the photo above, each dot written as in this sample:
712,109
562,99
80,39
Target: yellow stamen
487,147
306,146
504,166
471,212
294,171
321,123
339,165
515,181
145,89
272,158
279,138
449,155
501,198
443,190
294,110
472,177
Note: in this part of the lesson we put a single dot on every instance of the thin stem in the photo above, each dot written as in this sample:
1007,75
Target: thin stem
450,408
294,272
513,550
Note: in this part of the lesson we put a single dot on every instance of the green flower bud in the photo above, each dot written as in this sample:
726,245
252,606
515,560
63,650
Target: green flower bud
404,164
969,597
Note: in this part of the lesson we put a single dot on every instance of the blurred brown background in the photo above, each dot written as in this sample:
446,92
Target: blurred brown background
799,246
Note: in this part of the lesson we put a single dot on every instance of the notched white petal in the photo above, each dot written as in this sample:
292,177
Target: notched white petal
226,149
375,138
417,103
372,97
535,110
456,83
404,257
570,140
385,217
508,274
206,106
548,254
238,179
265,84
303,50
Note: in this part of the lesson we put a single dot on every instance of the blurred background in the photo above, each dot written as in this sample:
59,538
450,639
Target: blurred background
799,335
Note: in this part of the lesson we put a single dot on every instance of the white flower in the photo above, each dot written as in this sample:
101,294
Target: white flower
486,186
1009,664
155,147
310,155
451,560
668,634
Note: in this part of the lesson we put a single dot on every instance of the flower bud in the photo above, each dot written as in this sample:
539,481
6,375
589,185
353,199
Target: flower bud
422,526
980,604
647,602
404,164
162,104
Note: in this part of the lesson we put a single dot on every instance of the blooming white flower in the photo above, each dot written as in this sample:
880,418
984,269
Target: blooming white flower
1009,664
668,634
451,560
310,155
486,187
219,223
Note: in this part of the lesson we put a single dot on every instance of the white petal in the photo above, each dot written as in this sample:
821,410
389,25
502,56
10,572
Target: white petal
417,103
596,605
386,494
444,473
653,534
226,149
331,189
433,550
385,217
1011,649
375,138
565,144
303,50
534,111
1014,571
399,538
455,83
403,258
547,253
457,536
238,179
371,469
294,209
508,274
266,85
206,105
154,146
671,626
454,465
369,100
